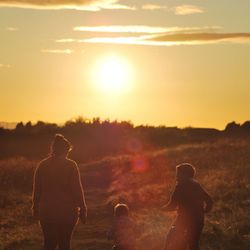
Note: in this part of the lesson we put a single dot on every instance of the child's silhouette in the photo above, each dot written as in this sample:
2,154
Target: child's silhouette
191,202
123,230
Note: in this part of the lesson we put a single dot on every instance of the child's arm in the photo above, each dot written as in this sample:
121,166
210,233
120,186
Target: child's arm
170,206
173,202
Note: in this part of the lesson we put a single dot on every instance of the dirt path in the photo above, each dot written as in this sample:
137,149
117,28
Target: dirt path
92,235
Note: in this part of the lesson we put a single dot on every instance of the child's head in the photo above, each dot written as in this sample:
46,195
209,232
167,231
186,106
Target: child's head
185,171
121,210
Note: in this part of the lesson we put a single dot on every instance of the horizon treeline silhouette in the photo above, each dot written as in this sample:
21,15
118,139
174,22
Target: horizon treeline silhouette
96,138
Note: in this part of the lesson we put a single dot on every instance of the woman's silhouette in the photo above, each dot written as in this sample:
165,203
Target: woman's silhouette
58,198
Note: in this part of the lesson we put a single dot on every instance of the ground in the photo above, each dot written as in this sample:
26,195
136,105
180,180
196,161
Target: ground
144,182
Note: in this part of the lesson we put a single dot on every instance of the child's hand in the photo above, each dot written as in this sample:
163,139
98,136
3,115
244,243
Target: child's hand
170,207
164,207
83,216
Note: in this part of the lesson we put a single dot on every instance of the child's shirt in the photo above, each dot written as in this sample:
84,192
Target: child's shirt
123,232
191,200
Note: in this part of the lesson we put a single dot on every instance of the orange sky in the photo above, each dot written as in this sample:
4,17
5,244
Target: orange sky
176,64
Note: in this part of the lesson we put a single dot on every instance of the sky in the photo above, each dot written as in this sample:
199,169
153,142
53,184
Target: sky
173,62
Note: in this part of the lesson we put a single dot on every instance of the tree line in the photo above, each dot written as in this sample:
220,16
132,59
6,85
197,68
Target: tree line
96,138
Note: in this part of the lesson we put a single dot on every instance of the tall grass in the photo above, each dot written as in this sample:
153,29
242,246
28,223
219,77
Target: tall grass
144,182
222,168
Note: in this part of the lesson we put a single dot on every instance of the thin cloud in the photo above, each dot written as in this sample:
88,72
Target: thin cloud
124,29
154,7
149,35
65,40
11,29
87,5
57,51
178,10
199,37
2,65
175,39
187,10
139,29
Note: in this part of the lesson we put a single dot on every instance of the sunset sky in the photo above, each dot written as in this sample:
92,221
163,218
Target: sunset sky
172,62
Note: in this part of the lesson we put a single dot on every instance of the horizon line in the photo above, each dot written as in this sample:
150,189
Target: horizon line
12,124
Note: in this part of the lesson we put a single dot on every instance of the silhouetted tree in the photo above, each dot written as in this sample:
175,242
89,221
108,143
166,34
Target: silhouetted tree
19,126
246,126
232,127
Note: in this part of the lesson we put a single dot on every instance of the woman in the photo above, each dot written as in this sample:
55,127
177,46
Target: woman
58,198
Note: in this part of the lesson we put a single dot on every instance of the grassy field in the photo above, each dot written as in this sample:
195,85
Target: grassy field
144,182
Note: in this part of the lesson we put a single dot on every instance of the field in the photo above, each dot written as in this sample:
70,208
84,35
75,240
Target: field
144,182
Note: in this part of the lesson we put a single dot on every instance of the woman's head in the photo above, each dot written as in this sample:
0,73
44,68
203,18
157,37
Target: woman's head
121,210
185,171
60,146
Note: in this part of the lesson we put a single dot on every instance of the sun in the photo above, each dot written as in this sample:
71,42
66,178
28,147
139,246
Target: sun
113,75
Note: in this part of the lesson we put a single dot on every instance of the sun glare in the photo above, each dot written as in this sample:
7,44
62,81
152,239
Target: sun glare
113,75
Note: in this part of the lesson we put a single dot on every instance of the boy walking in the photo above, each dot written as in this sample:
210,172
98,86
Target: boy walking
191,202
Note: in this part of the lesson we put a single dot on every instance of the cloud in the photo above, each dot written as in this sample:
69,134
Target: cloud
88,5
65,40
124,29
140,29
2,65
187,10
175,39
157,36
57,51
154,7
201,37
11,28
178,10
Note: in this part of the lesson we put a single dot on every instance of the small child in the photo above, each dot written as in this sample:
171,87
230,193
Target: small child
191,202
123,230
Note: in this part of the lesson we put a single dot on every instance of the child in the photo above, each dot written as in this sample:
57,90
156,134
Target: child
191,202
123,230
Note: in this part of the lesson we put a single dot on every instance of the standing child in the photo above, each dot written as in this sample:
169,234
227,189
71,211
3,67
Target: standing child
191,202
123,230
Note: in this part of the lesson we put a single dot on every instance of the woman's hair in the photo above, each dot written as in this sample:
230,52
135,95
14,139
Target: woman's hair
121,210
185,170
60,146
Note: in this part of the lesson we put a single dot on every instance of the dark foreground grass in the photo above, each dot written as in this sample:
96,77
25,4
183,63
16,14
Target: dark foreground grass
144,182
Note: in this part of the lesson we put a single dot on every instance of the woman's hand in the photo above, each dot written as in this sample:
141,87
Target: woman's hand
35,214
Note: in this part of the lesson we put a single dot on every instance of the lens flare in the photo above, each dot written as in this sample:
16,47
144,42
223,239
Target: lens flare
139,164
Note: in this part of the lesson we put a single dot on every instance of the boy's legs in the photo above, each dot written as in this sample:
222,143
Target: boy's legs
176,239
194,234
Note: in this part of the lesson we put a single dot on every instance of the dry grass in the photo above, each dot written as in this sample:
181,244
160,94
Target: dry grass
144,182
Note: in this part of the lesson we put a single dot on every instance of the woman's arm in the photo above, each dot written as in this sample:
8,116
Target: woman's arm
208,201
78,194
36,194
